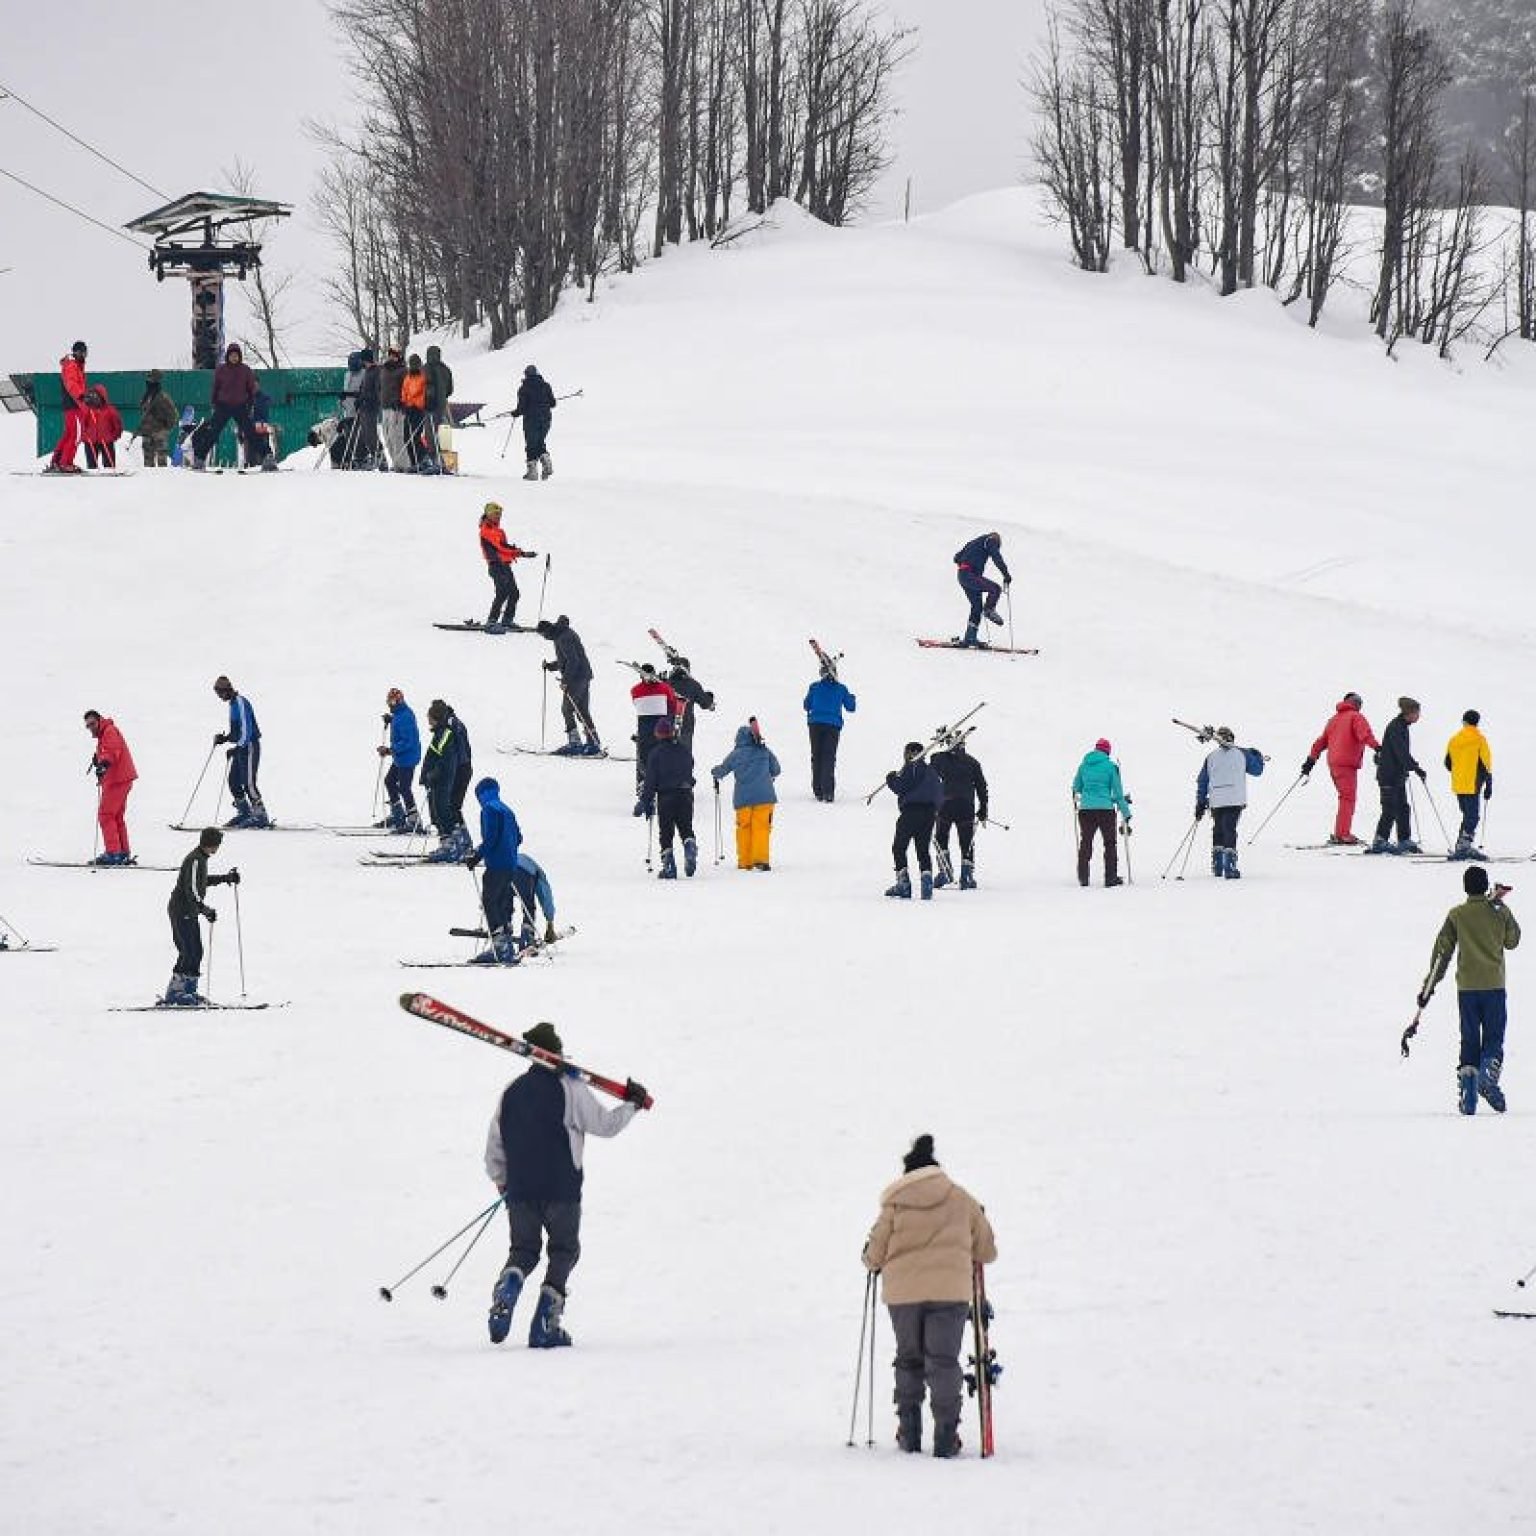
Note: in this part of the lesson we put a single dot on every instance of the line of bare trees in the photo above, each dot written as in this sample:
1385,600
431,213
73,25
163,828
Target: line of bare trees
1236,134
510,148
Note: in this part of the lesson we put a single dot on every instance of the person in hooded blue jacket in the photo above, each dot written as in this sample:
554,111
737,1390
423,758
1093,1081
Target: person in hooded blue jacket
983,592
825,701
500,839
404,753
754,797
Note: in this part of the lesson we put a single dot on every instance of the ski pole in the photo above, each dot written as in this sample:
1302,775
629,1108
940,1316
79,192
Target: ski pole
239,938
543,708
208,979
1301,779
511,428
440,1290
26,943
992,821
96,835
1444,835
193,796
1008,593
1185,865
650,837
719,839
1189,837
485,917
866,1314
543,586
387,1292
873,1315
1125,833
378,783
1521,1282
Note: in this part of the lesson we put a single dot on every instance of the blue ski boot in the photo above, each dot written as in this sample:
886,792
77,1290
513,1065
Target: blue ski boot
502,951
572,747
926,884
545,1331
1466,1090
1488,1083
1229,866
943,877
967,877
504,1294
668,865
902,890
690,856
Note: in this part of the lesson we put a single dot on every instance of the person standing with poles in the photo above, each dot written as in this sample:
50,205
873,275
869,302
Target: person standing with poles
575,670
392,411
1394,762
965,799
404,753
500,557
1477,933
971,562
1469,759
500,840
919,792
234,393
536,407
667,789
533,1154
1098,793
925,1244
1344,739
825,701
753,796
72,387
184,909
1222,787
447,767
112,763
244,740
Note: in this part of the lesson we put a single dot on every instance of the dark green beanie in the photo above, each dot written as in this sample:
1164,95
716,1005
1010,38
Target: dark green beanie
543,1035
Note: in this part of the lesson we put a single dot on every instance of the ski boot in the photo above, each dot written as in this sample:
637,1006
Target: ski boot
494,629
668,865
545,1331
942,877
925,885
967,875
946,1438
462,843
242,816
1463,848
592,748
1229,867
1380,845
1218,862
968,640
182,993
572,747
902,890
502,951
1407,846
690,856
547,464
259,821
1111,881
1488,1083
909,1426
991,615
532,472
446,851
504,1294
1349,840
1466,1090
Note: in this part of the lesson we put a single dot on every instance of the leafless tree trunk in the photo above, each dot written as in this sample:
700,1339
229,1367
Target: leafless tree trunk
1177,92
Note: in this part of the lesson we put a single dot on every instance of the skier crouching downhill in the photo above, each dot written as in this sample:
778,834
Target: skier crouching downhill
983,592
1222,787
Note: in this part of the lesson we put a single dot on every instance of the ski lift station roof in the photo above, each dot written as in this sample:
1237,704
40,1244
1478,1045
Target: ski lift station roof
185,214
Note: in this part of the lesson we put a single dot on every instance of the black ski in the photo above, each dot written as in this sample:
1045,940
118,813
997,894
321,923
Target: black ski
196,1008
28,949
592,757
271,826
536,948
477,627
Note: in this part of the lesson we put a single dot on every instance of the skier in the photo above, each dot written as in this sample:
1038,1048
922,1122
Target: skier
1222,786
1345,739
983,592
690,692
103,429
500,557
1394,762
925,1245
439,390
234,392
73,385
653,700
404,752
184,908
536,405
919,792
1469,759
244,738
363,452
415,394
446,770
500,839
965,798
112,763
391,377
667,790
1477,932
537,896
533,1154
1098,794
753,795
825,701
157,420
575,687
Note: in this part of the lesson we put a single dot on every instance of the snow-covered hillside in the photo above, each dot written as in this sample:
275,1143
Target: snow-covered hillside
1248,1254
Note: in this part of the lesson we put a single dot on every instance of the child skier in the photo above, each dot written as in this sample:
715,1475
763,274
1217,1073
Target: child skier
184,908
825,701
1222,786
537,896
919,791
983,592
1344,739
112,763
667,789
753,796
1098,793
244,739
1469,759
404,753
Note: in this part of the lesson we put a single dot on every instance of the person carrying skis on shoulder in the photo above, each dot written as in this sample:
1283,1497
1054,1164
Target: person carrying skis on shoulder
500,840
1222,787
500,556
1098,794
690,692
404,752
536,406
653,700
753,797
667,790
1394,762
575,670
983,592
533,1154
925,1246
1477,932
965,798
112,763
1344,739
72,385
919,792
537,896
244,740
157,420
825,701
445,773
184,908
1469,760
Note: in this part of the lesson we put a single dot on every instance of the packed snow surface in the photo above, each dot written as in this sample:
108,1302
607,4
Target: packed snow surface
1248,1254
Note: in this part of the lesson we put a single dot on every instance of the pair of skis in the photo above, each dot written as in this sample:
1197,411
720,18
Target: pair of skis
942,740
537,947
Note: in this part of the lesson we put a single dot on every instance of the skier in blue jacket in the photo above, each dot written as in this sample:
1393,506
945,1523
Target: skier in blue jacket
919,792
825,701
404,752
537,895
983,592
1098,793
244,739
500,840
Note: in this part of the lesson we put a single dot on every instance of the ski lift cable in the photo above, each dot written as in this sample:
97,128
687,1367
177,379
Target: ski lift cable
70,208
6,91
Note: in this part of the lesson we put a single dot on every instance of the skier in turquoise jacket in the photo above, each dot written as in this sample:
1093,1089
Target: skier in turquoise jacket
1098,794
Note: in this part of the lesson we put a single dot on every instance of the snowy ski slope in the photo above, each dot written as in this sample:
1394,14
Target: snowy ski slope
1248,1255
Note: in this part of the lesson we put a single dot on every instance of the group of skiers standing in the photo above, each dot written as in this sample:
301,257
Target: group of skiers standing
393,414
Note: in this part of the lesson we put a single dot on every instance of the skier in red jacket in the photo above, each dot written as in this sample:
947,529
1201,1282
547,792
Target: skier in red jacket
1344,739
76,412
112,763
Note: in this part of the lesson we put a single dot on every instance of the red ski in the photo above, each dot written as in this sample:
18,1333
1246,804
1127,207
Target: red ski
435,1012
996,650
985,1370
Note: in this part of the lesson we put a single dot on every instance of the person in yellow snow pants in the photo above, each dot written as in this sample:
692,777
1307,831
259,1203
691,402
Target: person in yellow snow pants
754,767
754,828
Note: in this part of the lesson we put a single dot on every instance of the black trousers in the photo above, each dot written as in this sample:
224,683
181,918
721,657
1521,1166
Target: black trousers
824,740
1395,812
460,789
530,1220
496,896
188,936
1102,824
504,603
575,708
397,784
1224,820
440,806
914,825
206,438
535,433
956,814
674,813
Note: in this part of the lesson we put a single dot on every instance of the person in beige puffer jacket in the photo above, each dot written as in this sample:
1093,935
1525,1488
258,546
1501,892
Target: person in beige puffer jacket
929,1236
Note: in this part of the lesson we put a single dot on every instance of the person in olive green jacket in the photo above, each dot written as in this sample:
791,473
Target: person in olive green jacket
1477,933
158,418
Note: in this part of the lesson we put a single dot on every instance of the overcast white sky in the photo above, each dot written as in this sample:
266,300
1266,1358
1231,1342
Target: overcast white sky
126,79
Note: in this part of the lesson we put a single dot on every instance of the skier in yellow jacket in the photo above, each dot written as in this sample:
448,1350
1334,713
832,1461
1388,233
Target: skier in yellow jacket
1470,761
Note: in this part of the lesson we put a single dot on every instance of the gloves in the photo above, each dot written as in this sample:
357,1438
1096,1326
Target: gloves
99,769
230,752
1424,997
1308,766
530,554
221,738
472,859
644,808
981,814
386,719
550,935
1007,582
1376,758
551,666
1199,809
1423,777
1488,788
232,878
634,1093
383,751
210,914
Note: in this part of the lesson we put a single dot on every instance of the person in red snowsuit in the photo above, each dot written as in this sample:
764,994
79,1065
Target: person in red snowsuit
106,427
112,763
1344,739
76,412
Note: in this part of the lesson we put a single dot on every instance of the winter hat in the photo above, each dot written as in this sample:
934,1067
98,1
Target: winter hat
414,361
1407,705
1472,717
663,729
92,714
492,509
1224,735
543,1036
1102,745
79,349
921,1155
647,670
530,371
233,350
1353,698
366,356
1475,881
912,751
437,711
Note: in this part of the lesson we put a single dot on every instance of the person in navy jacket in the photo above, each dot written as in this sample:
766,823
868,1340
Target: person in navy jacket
983,592
825,701
404,753
244,741
919,792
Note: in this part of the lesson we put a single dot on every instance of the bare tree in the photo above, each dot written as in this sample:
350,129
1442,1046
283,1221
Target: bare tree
267,289
1177,91
1521,152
